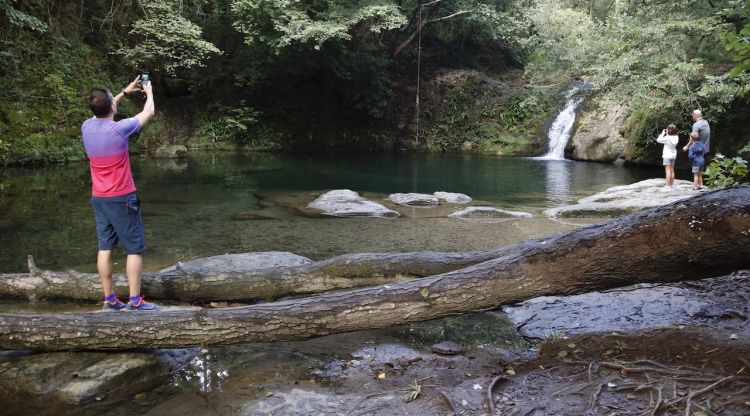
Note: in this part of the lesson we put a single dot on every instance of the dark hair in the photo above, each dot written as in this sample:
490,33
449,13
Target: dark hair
100,102
671,129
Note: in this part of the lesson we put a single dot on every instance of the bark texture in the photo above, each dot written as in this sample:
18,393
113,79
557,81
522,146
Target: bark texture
342,272
705,236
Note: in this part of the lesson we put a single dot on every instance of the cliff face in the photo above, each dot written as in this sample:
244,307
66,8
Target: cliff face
598,136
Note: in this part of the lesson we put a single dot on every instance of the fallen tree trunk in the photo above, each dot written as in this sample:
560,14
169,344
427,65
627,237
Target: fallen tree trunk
341,272
708,235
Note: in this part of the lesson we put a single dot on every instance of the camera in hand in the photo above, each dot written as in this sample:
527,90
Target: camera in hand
144,78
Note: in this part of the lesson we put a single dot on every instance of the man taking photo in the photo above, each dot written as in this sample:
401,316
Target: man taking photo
116,206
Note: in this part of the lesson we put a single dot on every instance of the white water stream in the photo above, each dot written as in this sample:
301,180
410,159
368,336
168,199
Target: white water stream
559,133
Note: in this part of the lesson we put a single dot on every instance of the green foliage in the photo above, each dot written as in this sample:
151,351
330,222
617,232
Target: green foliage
229,124
474,116
281,23
723,172
21,19
738,44
166,41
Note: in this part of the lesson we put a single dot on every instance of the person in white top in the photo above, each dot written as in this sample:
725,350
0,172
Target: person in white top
669,138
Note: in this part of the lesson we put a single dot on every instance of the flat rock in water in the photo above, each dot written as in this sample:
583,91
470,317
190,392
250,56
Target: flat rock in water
488,213
243,262
80,377
453,198
626,199
447,348
415,200
346,203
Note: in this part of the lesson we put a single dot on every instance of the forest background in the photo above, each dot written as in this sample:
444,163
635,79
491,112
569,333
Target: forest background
307,75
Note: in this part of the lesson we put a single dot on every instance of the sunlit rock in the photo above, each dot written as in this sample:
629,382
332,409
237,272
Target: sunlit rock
346,203
626,199
415,200
488,213
453,198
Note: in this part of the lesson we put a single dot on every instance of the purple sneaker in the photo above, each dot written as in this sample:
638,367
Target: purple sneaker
142,305
114,306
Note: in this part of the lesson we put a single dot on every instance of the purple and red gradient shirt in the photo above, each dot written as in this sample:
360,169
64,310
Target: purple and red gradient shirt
106,144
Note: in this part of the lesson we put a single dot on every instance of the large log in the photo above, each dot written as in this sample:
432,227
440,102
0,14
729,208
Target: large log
705,236
341,272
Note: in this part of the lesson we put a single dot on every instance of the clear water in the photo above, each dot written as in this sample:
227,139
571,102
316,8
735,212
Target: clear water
217,203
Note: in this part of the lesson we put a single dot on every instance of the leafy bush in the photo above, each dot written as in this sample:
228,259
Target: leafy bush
724,172
229,125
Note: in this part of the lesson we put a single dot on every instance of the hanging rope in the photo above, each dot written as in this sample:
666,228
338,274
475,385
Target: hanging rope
419,62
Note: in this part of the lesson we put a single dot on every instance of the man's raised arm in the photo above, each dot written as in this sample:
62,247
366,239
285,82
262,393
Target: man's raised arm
148,108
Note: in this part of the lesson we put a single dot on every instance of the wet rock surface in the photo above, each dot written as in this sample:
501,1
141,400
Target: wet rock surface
626,199
447,348
414,200
648,306
242,262
82,377
346,203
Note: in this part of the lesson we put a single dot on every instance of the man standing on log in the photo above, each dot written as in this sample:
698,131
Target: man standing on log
116,206
702,128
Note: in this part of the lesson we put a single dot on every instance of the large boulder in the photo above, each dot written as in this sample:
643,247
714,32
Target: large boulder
242,262
80,377
346,203
626,199
171,151
415,200
598,134
453,198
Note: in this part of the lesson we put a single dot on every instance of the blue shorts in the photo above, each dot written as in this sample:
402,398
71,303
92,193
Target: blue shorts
697,168
118,219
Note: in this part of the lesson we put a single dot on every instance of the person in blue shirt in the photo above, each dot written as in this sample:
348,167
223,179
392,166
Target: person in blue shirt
701,133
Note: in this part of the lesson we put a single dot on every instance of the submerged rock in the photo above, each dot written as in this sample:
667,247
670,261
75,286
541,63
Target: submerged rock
488,213
447,348
171,152
626,199
415,200
242,262
80,377
346,203
453,198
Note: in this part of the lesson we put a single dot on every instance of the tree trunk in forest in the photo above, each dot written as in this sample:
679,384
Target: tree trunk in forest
342,272
705,236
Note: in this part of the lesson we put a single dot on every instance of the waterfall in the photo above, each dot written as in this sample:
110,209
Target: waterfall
559,132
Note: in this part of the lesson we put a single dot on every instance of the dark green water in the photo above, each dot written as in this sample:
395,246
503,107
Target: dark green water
200,206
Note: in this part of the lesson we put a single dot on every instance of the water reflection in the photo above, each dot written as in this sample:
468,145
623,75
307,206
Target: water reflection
557,175
201,374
